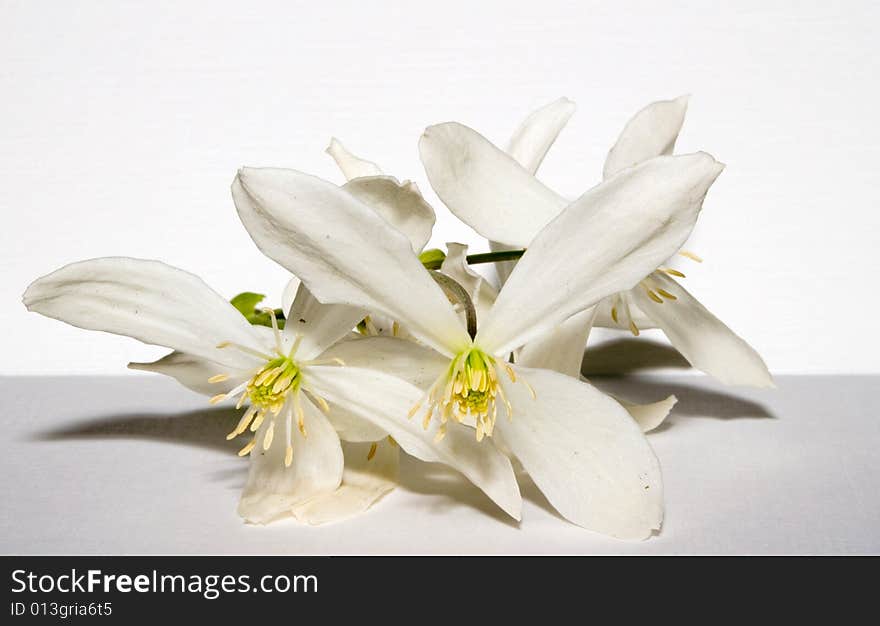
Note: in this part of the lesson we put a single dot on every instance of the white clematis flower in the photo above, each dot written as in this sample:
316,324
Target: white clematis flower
497,195
582,449
292,390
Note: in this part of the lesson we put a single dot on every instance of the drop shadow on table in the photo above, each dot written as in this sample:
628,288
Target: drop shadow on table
207,428
614,366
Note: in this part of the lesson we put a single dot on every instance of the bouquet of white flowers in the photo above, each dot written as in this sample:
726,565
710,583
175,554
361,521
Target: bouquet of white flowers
381,345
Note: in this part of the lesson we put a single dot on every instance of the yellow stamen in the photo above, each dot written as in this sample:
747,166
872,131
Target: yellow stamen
666,294
372,451
218,378
672,272
220,397
288,456
614,315
690,255
633,328
247,449
270,434
654,296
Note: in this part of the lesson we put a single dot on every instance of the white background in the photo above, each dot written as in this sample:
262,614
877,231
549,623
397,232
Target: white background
122,125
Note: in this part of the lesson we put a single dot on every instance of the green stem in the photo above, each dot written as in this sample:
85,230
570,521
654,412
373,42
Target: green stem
484,257
494,257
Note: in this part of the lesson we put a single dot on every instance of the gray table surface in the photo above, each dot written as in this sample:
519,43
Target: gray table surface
139,465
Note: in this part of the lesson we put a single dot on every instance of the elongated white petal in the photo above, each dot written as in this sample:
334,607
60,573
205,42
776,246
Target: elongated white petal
484,187
650,133
273,489
560,349
344,252
149,301
365,480
455,266
535,136
585,453
528,147
649,416
289,294
702,338
193,372
351,165
401,204
386,401
606,241
318,326
400,358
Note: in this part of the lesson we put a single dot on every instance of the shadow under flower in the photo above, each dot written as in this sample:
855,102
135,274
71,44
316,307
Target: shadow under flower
628,355
207,428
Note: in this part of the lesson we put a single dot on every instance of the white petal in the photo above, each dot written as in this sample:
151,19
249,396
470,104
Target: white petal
364,482
484,187
149,301
193,372
560,349
529,146
585,453
351,165
649,416
386,401
401,204
533,138
416,364
606,241
455,266
273,490
344,252
650,133
289,294
702,338
318,325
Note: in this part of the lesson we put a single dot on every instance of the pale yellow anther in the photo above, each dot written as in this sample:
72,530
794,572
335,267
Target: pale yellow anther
258,422
654,296
288,456
322,403
395,329
247,449
269,436
510,373
392,441
614,315
666,294
441,433
633,328
220,397
672,272
218,378
690,255
373,447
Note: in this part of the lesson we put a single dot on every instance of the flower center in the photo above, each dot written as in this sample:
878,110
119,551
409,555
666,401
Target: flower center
269,388
272,389
469,388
